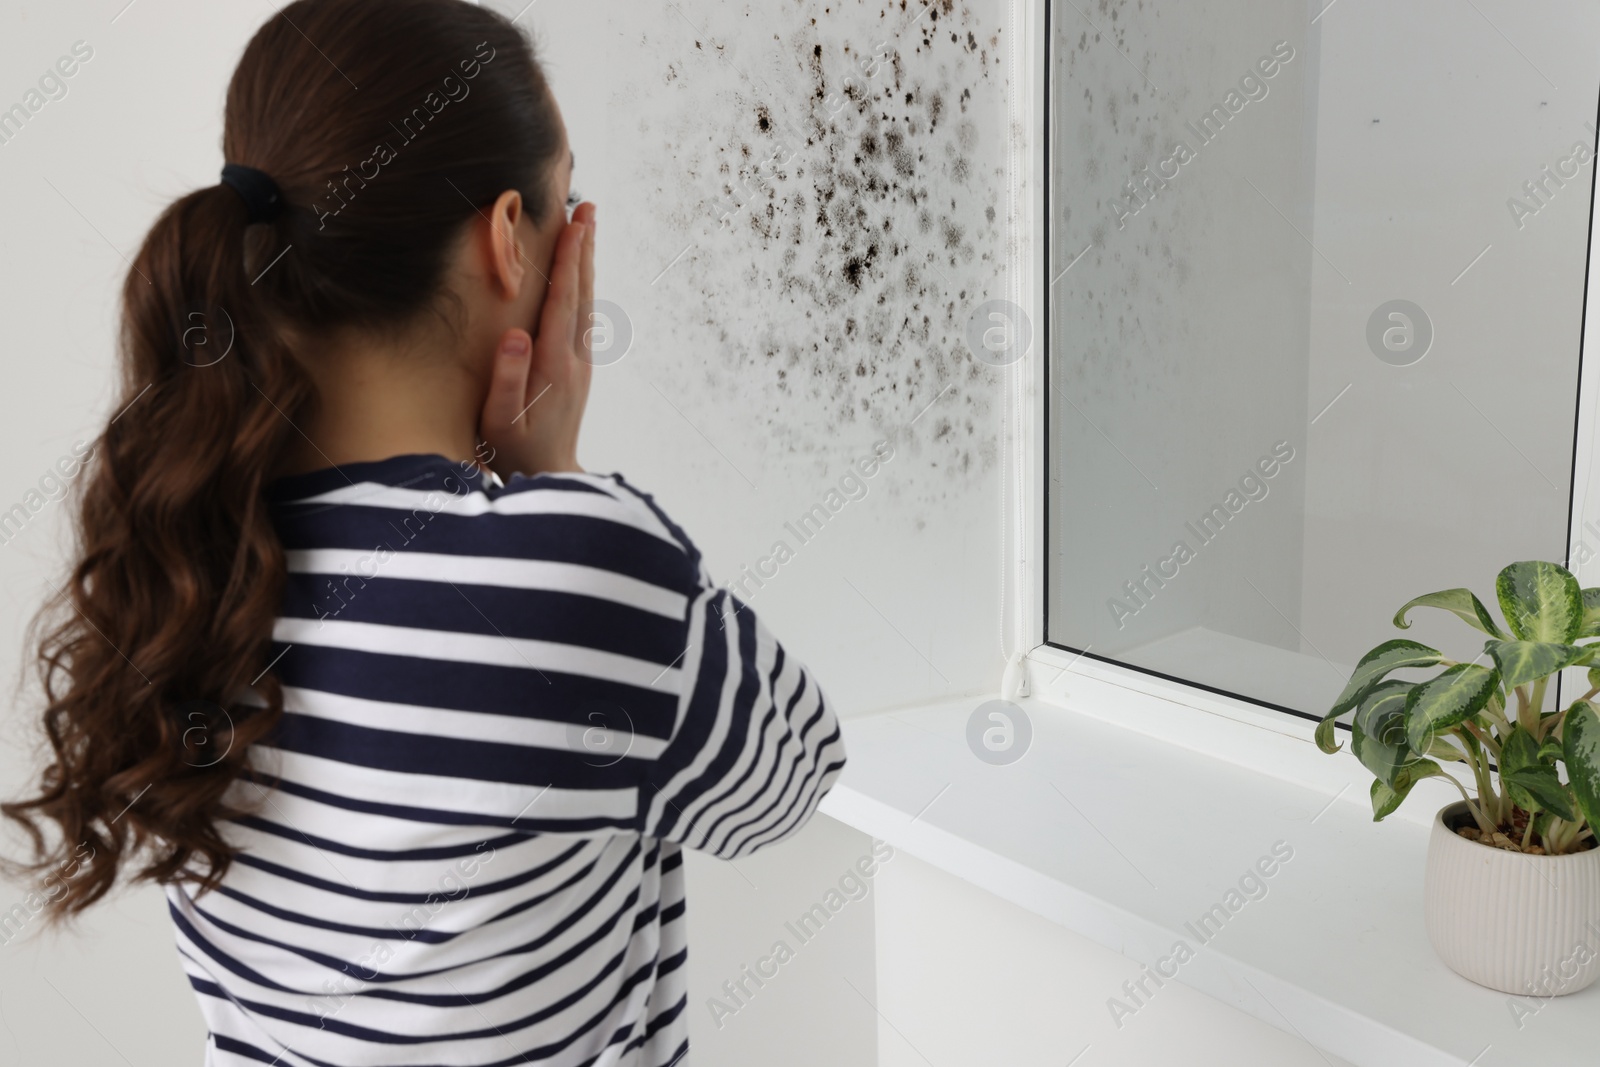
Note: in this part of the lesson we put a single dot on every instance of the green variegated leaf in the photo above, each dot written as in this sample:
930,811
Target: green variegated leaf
1518,750
1378,731
1533,784
1389,656
1416,771
1551,751
1541,601
1580,744
1385,799
1541,824
1454,697
1594,677
1591,614
1462,602
1539,789
1528,661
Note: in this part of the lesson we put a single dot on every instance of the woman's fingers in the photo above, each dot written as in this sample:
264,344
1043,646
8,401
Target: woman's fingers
557,318
508,384
581,343
586,264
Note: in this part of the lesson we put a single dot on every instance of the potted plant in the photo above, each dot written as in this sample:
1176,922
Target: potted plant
1512,891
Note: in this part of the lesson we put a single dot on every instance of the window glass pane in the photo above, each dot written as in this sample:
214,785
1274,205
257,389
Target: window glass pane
1314,326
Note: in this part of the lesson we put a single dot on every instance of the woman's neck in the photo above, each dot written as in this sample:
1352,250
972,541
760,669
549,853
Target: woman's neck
375,401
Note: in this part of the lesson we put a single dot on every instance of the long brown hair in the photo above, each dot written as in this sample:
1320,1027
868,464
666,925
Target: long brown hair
387,125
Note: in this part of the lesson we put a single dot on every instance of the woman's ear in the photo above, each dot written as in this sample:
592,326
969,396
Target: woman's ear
508,262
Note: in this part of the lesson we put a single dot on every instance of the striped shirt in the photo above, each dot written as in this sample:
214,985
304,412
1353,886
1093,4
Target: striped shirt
507,708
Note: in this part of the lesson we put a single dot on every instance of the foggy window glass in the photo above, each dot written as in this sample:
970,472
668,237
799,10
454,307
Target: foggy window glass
1316,293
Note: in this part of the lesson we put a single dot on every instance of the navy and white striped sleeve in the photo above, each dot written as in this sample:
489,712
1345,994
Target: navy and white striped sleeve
755,745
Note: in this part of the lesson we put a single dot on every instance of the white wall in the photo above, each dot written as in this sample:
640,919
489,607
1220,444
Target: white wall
764,362
818,1008
968,980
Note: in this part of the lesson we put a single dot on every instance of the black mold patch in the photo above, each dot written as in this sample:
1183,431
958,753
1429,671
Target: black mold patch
841,190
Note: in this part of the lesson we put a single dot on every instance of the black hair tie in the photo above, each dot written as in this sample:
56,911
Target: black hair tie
262,199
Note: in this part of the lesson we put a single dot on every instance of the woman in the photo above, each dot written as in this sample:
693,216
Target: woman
409,713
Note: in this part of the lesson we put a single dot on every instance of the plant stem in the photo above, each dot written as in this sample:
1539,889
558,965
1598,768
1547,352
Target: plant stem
1483,736
1486,794
1503,802
1483,824
1497,719
1474,738
1527,832
1526,718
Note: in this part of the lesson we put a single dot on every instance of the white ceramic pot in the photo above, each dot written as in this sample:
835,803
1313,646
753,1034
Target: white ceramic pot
1528,925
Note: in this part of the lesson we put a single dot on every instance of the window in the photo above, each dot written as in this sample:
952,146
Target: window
1315,316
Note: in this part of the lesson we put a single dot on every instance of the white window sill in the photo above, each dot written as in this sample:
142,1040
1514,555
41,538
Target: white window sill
1132,814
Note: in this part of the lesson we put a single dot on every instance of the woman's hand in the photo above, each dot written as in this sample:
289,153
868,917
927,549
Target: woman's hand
540,384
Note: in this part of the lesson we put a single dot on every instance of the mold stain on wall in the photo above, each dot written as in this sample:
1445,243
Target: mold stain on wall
836,175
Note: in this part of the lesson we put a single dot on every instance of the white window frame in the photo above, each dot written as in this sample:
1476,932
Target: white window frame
1110,689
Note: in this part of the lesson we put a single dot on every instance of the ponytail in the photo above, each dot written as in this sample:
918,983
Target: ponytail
166,618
